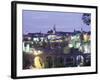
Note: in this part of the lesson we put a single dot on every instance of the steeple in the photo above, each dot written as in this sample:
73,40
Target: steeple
81,30
54,29
74,30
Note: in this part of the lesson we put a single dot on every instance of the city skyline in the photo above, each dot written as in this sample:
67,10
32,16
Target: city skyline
42,21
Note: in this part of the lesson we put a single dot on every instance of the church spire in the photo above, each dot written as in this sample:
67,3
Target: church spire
81,30
54,29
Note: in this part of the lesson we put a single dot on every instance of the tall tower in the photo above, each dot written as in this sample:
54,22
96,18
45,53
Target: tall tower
74,30
54,29
81,30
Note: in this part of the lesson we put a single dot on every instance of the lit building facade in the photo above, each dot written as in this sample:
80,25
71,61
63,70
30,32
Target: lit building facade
58,49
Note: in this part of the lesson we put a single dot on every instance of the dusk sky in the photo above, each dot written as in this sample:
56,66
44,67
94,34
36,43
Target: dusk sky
36,21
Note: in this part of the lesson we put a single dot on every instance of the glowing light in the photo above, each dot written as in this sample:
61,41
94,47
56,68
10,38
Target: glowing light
37,52
38,63
29,38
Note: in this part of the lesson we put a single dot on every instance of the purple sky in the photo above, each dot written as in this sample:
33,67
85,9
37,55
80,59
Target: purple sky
36,21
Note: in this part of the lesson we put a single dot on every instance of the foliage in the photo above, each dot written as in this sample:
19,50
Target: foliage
86,17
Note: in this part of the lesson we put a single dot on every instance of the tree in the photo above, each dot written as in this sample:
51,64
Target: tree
86,17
